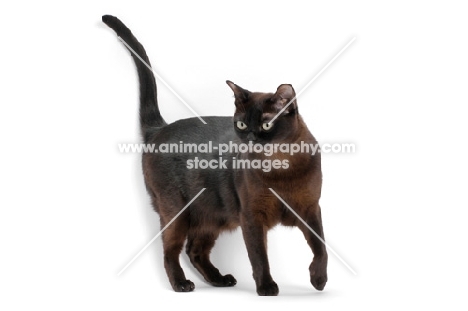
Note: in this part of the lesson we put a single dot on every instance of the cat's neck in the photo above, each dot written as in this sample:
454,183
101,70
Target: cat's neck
299,165
301,133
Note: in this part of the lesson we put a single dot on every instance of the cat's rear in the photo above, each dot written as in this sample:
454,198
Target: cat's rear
171,185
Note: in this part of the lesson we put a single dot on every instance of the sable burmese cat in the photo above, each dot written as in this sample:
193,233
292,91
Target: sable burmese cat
232,197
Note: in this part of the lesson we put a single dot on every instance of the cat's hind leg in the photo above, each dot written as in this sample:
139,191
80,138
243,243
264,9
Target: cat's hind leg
173,241
198,248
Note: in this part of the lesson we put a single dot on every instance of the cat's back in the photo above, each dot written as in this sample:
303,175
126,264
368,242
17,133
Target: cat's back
193,130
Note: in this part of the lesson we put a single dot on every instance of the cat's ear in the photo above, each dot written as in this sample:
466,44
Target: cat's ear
283,96
240,94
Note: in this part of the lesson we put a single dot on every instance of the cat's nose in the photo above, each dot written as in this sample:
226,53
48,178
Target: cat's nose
251,136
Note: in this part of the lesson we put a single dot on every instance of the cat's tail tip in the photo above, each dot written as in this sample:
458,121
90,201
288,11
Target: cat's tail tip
109,19
116,24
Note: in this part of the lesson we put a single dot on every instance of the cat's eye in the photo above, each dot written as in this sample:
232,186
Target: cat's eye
241,125
267,126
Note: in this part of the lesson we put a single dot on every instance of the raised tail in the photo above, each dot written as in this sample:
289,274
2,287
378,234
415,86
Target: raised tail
150,116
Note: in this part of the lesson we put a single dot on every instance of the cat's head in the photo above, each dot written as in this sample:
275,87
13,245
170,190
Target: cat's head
255,111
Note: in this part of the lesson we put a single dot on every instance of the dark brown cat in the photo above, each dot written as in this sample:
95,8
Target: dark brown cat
233,196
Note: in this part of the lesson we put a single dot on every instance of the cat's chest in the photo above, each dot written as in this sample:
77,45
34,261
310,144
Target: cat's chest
257,193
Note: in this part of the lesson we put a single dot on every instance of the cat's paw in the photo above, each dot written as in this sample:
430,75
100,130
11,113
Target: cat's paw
225,281
318,282
268,289
184,286
318,274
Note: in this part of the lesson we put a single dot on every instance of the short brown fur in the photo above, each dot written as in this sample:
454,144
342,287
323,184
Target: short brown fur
233,197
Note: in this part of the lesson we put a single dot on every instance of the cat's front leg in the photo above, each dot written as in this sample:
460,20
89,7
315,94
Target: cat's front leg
318,267
254,233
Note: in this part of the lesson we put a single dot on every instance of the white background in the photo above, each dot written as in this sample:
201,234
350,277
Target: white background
74,210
